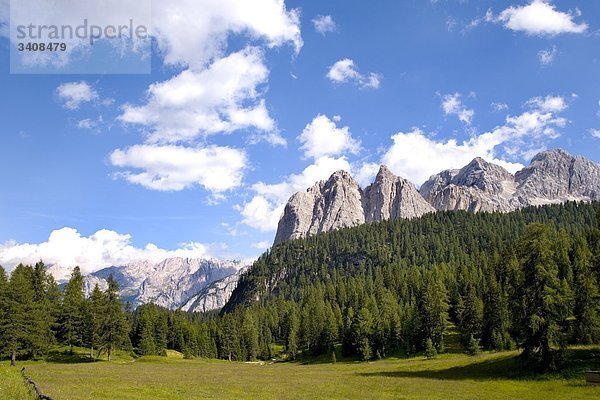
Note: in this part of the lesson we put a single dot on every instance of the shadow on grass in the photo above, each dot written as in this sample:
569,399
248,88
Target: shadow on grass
503,368
66,357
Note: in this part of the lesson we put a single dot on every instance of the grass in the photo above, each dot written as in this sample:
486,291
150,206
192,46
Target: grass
12,385
486,376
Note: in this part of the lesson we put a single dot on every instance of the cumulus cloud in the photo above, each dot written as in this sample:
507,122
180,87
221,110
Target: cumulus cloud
346,71
174,168
595,133
68,248
74,94
266,207
324,24
540,17
547,57
416,156
193,32
222,98
321,137
452,105
548,104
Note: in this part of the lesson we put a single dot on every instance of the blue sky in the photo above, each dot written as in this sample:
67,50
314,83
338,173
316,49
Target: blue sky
198,157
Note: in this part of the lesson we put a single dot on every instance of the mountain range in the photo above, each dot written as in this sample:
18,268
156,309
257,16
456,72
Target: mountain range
553,176
193,284
199,285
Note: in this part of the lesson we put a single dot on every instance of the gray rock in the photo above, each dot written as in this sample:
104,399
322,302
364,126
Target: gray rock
479,186
555,176
328,205
392,197
552,177
339,202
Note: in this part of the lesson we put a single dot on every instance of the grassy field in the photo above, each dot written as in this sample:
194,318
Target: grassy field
450,376
12,385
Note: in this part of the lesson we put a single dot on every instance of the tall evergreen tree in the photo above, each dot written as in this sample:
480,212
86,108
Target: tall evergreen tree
19,304
94,319
115,330
545,306
586,307
72,310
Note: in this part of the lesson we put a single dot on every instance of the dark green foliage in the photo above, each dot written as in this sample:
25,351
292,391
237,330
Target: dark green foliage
115,329
377,290
545,305
586,297
72,310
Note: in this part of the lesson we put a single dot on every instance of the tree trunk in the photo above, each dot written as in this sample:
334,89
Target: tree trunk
92,352
13,358
109,352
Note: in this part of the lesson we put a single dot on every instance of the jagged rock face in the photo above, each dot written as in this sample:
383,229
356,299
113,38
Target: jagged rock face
392,197
340,203
552,177
215,296
479,186
171,283
556,176
333,204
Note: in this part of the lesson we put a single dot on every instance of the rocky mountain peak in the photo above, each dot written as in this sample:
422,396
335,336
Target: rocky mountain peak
339,202
480,186
327,205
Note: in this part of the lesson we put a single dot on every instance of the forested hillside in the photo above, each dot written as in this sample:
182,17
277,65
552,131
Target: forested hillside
527,279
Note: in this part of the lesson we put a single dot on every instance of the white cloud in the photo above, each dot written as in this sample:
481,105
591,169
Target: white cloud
346,71
105,248
193,32
540,17
595,133
222,98
452,105
499,107
365,173
324,24
174,168
547,57
89,123
548,103
266,207
262,245
416,156
73,94
321,137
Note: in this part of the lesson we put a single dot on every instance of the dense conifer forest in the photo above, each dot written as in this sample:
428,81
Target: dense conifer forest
528,279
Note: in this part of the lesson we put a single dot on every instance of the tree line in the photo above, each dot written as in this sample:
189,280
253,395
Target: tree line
527,279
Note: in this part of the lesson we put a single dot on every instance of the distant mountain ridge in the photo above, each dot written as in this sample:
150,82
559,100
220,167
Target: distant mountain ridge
171,283
553,176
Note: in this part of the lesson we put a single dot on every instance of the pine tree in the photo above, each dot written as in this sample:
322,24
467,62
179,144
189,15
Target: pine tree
94,319
3,310
586,307
544,302
433,306
115,329
72,310
19,304
41,335
430,351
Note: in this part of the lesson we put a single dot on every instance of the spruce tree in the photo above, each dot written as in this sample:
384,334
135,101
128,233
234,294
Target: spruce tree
19,305
545,306
115,328
586,307
94,319
72,310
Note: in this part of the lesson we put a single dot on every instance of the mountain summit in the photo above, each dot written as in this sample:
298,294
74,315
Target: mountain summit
553,176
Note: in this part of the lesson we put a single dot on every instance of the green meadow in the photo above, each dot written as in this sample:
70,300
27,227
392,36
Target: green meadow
449,376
